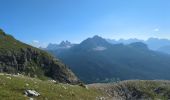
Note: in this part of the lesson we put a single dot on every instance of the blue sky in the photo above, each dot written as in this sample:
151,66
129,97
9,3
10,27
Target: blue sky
45,21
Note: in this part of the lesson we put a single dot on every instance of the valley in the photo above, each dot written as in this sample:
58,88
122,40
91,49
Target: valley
97,60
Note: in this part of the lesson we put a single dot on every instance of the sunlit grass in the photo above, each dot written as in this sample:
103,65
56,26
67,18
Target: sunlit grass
13,87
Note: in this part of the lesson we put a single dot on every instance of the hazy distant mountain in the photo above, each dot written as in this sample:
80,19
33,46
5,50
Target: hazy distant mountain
96,60
153,43
57,48
124,41
165,49
63,45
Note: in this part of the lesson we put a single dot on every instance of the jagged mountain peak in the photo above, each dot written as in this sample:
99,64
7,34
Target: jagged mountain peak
62,45
95,41
65,43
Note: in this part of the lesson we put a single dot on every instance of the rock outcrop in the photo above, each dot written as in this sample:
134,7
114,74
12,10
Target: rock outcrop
135,90
18,57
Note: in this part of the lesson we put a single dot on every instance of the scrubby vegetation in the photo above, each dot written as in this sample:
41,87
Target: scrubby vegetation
136,90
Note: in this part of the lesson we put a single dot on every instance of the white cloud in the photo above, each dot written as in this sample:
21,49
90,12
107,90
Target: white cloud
35,41
156,29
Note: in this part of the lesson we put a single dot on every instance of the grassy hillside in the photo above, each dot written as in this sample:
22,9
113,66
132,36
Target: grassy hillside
18,57
13,87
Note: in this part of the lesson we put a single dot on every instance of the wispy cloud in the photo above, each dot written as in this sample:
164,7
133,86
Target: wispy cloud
35,41
38,44
156,29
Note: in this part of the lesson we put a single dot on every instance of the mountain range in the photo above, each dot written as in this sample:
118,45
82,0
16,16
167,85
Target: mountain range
97,60
153,43
93,60
161,45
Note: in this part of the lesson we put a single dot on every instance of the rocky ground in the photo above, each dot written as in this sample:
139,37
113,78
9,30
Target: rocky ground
135,90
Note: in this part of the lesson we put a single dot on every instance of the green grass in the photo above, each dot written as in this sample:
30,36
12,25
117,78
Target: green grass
13,89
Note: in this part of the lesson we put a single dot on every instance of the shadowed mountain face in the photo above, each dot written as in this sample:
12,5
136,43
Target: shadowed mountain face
165,49
96,60
17,57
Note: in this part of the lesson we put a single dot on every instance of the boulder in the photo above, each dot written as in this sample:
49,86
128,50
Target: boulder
31,93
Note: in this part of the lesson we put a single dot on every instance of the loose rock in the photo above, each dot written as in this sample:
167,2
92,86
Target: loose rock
31,93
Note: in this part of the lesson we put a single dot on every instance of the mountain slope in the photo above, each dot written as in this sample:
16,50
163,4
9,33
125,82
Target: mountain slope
165,49
136,90
17,57
96,60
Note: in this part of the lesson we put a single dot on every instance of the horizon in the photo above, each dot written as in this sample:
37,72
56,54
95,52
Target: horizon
143,40
42,21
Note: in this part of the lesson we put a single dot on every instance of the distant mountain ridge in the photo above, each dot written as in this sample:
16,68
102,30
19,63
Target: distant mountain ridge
124,41
63,45
18,57
96,60
153,43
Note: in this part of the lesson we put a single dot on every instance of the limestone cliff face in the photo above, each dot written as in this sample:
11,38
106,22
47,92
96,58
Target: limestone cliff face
17,57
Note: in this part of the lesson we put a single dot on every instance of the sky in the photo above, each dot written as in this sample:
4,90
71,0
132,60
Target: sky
40,22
